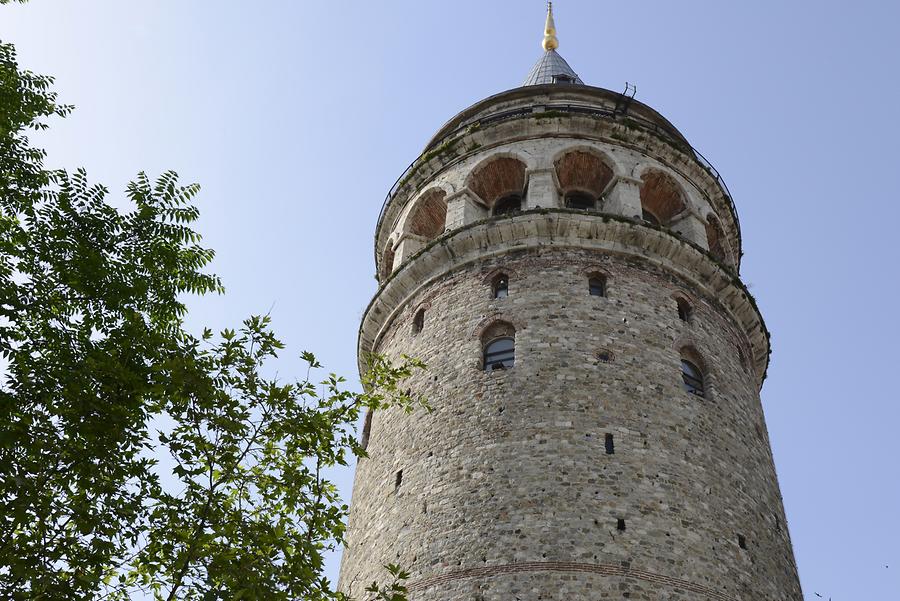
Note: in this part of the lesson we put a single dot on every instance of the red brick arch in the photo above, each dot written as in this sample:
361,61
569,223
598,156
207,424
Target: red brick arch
583,171
498,177
661,196
429,215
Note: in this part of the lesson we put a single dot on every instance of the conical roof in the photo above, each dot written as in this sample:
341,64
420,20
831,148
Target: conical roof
551,68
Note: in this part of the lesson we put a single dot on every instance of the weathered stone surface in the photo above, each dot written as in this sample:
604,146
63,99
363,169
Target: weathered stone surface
585,471
507,489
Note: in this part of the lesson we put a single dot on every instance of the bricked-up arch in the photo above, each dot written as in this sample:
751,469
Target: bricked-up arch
583,171
661,196
498,178
429,217
715,238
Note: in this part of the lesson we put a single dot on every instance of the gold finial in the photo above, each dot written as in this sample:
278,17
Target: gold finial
550,40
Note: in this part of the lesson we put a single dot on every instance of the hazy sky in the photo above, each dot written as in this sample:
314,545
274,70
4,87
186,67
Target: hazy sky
296,118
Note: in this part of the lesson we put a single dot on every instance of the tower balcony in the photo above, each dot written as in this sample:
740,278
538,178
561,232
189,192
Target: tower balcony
557,147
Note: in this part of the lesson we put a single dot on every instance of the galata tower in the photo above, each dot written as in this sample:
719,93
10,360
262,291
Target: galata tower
567,265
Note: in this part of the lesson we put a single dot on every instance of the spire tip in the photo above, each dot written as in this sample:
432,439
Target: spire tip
551,42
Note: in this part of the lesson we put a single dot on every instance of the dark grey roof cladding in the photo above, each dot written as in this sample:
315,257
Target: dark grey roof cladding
549,69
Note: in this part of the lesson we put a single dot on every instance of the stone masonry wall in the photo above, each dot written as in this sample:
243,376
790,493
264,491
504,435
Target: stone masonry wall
507,491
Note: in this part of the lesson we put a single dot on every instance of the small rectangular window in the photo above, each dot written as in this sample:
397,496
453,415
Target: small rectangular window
620,524
742,542
399,479
610,447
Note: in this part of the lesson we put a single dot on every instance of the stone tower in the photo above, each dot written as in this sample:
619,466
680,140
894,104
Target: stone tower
567,266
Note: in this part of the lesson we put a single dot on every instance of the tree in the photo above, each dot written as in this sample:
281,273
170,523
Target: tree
251,455
101,380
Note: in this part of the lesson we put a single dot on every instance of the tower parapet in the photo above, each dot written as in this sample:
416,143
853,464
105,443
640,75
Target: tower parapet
568,267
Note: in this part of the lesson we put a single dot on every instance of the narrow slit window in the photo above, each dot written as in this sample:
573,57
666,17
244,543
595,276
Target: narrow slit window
418,321
685,311
500,287
610,445
742,542
620,525
398,480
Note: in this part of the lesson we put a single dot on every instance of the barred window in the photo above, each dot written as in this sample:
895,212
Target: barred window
597,285
692,378
500,353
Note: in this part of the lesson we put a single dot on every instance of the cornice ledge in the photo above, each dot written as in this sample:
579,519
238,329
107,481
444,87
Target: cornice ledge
565,228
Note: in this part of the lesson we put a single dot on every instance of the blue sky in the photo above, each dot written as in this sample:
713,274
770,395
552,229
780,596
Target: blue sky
296,118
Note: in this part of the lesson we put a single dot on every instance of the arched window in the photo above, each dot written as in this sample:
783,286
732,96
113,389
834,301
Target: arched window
508,204
500,184
499,346
692,378
597,284
500,286
500,353
418,321
581,201
685,311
